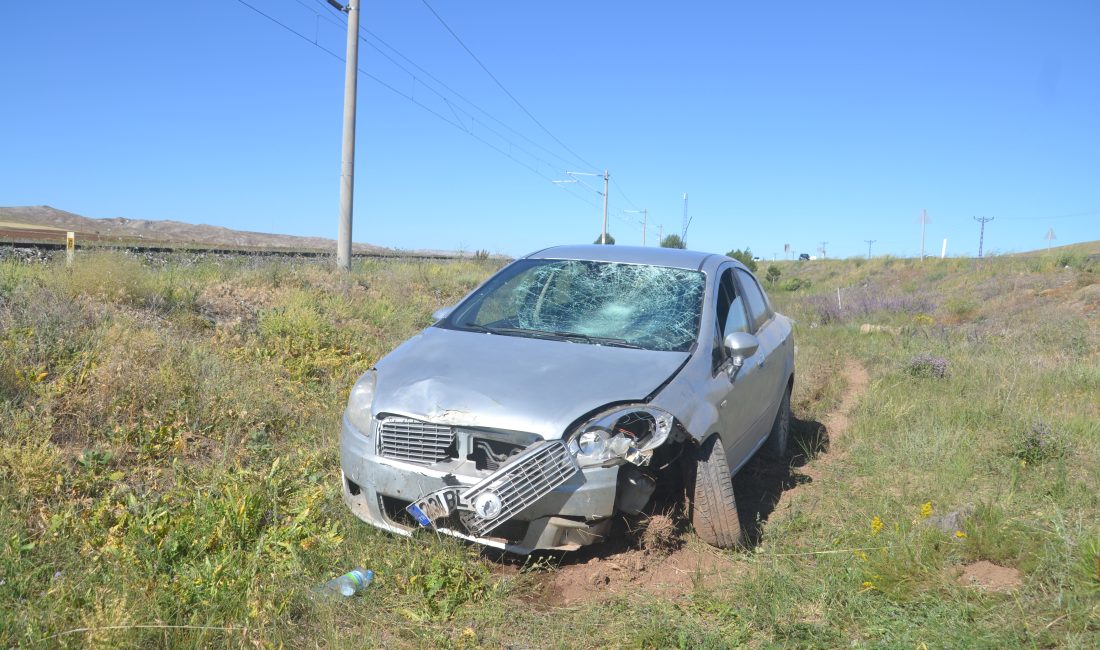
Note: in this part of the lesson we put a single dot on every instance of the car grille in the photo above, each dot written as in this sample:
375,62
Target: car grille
414,441
525,479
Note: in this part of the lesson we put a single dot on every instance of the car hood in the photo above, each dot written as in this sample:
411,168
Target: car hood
514,383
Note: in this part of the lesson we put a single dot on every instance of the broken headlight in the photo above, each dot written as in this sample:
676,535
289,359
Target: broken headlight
360,401
628,433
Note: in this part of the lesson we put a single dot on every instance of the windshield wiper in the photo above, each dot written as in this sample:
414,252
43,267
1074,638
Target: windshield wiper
515,331
599,340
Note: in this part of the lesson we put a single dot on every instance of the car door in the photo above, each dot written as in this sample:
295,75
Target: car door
767,362
743,395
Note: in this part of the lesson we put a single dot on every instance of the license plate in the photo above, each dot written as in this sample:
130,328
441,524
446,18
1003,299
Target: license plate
437,505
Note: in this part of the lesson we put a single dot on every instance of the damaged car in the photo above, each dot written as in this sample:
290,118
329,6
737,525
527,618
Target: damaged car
569,388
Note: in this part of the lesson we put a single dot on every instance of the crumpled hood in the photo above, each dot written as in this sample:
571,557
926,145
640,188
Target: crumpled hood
510,382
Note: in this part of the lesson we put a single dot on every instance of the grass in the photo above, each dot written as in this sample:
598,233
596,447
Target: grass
169,471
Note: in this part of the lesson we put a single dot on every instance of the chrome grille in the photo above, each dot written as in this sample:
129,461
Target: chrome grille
414,441
525,479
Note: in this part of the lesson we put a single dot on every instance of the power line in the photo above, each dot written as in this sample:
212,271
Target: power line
623,194
457,94
1061,216
413,100
415,78
501,86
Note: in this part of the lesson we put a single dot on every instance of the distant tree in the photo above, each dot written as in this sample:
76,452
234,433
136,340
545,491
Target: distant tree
673,241
773,273
610,239
745,257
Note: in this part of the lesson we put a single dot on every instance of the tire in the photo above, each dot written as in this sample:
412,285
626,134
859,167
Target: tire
775,446
714,509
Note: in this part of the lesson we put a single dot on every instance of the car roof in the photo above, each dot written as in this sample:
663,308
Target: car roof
652,255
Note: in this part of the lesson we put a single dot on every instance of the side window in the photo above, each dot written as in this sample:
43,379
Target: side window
729,314
758,305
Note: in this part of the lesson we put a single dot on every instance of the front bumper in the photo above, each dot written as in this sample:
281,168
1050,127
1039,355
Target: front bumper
377,489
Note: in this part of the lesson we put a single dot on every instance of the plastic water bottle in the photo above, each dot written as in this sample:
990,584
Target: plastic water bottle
349,584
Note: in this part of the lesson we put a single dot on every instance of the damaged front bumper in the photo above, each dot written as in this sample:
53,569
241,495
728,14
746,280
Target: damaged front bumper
538,499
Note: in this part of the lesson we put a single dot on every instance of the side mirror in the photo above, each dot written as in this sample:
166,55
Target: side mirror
740,346
442,313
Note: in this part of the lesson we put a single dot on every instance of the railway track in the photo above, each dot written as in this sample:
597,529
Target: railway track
8,242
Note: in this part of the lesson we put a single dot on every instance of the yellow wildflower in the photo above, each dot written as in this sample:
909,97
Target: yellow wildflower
876,525
861,555
960,534
926,510
867,585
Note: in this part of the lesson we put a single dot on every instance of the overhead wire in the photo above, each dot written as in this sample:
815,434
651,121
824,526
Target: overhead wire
423,106
459,95
501,86
428,74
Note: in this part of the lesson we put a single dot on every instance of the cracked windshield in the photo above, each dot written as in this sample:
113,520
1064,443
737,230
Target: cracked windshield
602,303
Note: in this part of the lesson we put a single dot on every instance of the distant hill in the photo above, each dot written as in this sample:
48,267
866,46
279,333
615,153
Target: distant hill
44,223
1082,248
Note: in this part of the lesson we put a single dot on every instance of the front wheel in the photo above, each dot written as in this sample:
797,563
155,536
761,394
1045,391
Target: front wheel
779,438
714,509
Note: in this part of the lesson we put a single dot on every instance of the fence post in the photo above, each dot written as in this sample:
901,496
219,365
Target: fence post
70,246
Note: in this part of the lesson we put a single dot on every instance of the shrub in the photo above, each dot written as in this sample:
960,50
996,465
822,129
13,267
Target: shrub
794,284
1038,444
927,365
773,273
673,241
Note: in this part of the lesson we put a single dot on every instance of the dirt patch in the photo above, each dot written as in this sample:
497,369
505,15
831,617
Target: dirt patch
638,571
989,576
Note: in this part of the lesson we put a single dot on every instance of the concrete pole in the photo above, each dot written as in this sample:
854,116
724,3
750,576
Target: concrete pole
923,223
645,221
347,159
603,237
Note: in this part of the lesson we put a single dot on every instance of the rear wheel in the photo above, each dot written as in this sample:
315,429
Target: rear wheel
778,440
714,509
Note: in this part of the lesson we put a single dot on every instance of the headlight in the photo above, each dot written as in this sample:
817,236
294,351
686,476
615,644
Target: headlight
359,404
629,432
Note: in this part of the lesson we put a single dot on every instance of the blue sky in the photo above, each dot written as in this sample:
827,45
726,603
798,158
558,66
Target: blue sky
785,122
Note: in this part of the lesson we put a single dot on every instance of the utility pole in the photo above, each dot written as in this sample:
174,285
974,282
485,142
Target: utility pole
603,237
923,223
573,179
687,221
645,219
822,249
660,233
347,159
871,241
981,237
1049,237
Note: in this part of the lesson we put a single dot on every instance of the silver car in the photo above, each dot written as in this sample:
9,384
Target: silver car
571,386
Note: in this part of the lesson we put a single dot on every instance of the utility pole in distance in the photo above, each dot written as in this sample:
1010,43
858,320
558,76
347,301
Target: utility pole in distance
923,223
347,158
981,237
869,242
645,219
603,237
573,179
822,249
